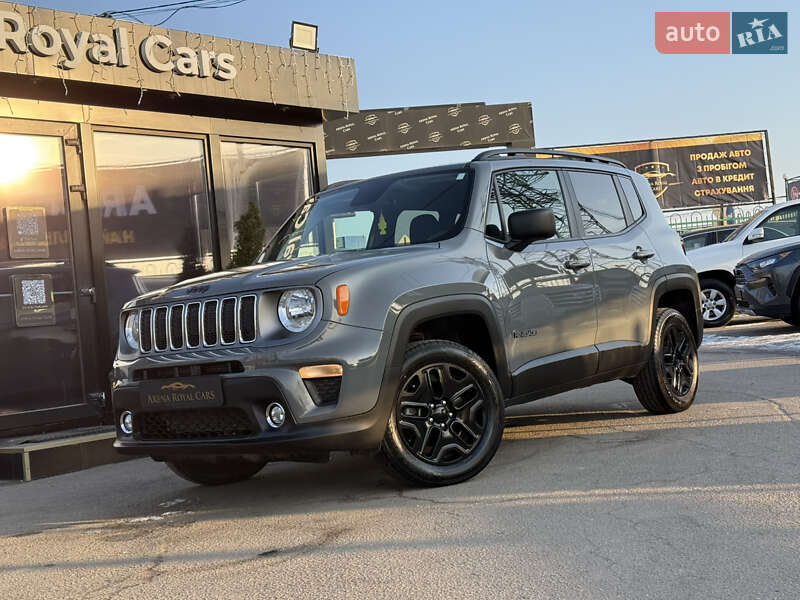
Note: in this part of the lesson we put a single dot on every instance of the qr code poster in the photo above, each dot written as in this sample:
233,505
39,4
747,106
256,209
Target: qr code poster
33,300
27,232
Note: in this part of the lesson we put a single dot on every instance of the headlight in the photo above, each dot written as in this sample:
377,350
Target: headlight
296,309
132,330
768,261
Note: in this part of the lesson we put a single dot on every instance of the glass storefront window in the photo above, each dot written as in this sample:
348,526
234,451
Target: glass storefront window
38,314
156,218
276,178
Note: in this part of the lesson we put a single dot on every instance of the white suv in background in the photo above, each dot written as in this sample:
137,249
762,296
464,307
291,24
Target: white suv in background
775,226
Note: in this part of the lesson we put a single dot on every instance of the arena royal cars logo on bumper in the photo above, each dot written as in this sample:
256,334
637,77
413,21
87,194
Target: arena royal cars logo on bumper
721,32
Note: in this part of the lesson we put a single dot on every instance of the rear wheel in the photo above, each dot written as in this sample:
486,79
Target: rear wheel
718,302
668,382
216,471
447,420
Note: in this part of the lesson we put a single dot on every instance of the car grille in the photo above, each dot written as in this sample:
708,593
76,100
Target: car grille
740,278
195,424
209,323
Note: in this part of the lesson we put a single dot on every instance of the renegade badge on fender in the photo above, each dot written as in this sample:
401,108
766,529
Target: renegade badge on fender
402,314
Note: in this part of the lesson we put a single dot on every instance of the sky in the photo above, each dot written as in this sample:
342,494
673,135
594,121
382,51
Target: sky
589,68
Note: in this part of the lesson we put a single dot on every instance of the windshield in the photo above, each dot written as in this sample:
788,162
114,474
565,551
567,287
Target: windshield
383,212
736,231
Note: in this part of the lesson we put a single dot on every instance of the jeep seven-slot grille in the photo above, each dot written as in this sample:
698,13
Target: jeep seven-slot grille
198,324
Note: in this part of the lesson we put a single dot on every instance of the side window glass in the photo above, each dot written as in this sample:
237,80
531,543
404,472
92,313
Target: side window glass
598,203
633,198
784,223
526,189
494,228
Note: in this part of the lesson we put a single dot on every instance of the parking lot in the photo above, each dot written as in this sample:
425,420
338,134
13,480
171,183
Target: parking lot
588,497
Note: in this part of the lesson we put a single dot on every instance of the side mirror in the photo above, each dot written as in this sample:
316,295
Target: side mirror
756,235
526,226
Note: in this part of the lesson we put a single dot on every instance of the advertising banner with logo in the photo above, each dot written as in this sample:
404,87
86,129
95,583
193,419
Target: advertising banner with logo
793,189
729,168
429,128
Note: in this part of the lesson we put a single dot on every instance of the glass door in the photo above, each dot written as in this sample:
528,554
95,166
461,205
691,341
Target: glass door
46,288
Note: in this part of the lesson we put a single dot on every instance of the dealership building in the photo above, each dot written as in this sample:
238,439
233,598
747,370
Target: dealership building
127,154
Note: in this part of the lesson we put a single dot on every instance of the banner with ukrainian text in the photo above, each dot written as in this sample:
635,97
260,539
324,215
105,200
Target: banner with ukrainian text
729,168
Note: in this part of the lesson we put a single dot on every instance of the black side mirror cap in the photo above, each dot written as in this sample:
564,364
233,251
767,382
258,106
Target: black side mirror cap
527,226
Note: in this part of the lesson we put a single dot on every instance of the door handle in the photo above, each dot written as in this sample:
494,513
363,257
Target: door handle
89,292
642,254
576,264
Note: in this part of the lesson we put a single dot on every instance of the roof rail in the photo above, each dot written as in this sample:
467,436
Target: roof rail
537,152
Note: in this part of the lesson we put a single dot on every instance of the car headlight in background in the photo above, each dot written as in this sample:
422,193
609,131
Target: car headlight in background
768,261
132,330
296,309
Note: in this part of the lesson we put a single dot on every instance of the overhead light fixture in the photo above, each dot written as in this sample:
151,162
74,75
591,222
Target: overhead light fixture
304,36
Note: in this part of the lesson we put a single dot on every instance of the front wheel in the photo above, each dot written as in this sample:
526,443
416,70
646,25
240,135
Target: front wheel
216,471
447,420
718,302
668,382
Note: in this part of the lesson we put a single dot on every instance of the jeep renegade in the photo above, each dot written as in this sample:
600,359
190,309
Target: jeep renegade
401,314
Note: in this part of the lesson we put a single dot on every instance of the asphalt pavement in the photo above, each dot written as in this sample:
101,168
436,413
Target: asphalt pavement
588,497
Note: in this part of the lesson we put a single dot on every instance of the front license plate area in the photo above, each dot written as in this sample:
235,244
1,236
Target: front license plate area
194,392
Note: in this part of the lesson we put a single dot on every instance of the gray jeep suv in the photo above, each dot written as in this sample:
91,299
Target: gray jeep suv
402,314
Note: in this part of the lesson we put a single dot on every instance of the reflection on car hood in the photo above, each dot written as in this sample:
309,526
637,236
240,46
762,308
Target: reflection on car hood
299,271
716,256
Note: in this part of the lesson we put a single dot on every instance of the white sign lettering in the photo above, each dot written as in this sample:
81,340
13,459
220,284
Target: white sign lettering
156,51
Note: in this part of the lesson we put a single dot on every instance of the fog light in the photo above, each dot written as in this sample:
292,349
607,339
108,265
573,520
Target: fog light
276,415
126,422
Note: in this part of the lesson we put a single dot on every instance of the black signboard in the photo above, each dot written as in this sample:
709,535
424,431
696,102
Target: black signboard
429,128
33,300
729,168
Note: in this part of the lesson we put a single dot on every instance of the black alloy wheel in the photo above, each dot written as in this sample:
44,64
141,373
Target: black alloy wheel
679,357
440,414
668,381
447,420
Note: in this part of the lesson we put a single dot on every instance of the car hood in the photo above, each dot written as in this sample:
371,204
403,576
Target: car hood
296,272
770,251
717,256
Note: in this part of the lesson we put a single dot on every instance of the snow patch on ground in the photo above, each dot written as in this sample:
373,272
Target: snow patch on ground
769,343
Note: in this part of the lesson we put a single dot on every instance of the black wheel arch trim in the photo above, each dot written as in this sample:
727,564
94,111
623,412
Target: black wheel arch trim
425,310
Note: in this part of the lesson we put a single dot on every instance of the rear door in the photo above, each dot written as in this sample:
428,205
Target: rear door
550,319
623,259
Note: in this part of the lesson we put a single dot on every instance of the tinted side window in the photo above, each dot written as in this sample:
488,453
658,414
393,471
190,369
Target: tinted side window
633,198
532,188
698,240
598,203
494,227
784,223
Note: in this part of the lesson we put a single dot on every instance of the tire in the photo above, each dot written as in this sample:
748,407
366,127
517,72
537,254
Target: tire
447,418
216,471
656,386
794,317
718,302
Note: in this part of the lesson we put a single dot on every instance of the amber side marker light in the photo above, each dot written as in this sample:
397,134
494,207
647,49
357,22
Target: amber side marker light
342,300
318,371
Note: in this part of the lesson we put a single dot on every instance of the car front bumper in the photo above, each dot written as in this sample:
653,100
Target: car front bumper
185,409
761,294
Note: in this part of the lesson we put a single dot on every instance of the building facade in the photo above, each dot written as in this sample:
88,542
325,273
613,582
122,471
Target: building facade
127,154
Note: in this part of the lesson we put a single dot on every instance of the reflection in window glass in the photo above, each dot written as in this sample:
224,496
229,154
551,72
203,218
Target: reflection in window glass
276,178
633,198
782,224
40,358
598,203
526,189
351,230
402,230
155,212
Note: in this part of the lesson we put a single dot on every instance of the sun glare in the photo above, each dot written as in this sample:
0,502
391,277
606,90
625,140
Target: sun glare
18,156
